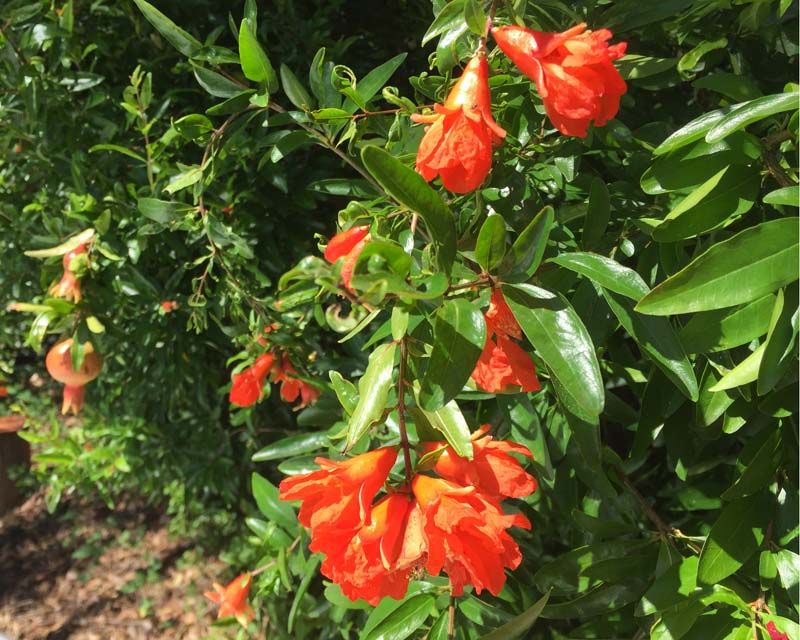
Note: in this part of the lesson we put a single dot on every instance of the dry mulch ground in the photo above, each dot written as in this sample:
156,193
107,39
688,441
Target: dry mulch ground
89,573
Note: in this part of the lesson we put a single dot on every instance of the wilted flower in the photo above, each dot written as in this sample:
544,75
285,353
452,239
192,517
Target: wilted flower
573,72
348,245
248,385
233,599
69,287
466,535
458,144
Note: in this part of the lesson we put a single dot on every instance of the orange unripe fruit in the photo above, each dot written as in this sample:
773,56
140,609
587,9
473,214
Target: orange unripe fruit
59,366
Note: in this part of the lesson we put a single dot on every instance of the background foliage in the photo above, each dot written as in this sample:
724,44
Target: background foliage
654,268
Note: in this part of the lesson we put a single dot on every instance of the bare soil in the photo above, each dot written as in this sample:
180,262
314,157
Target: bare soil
89,573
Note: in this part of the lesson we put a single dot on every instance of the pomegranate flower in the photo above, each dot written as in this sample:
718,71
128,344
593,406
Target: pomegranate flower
775,633
492,470
248,385
458,144
573,71
466,535
69,287
348,245
337,498
292,387
504,367
233,599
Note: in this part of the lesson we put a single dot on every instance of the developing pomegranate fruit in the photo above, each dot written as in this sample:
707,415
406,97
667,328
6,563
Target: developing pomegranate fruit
59,366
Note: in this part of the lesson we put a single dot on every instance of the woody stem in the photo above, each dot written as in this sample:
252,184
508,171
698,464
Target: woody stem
401,410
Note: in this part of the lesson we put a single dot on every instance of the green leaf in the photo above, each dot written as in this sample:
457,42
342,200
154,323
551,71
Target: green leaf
474,16
255,63
601,600
266,496
292,446
118,149
737,88
674,586
743,373
722,329
373,389
184,42
779,345
373,82
711,404
730,192
405,620
745,267
789,196
450,17
216,84
184,179
163,211
788,564
750,112
295,91
606,272
691,58
346,392
597,213
527,251
490,248
561,339
410,190
65,247
735,536
695,130
451,423
459,336
656,338
759,471
519,625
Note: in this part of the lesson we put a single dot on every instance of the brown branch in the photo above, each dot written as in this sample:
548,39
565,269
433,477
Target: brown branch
401,410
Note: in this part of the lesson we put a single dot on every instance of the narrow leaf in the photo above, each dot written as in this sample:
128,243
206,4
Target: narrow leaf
187,44
752,111
373,389
527,251
606,272
519,625
491,245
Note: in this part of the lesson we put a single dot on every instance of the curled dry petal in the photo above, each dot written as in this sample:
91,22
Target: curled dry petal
573,71
233,599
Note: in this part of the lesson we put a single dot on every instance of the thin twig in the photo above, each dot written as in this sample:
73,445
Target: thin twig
401,410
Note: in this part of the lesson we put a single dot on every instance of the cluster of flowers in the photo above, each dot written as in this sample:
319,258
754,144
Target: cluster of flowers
453,522
248,386
574,74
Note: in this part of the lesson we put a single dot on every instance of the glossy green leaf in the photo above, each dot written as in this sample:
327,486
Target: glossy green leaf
788,564
730,192
751,112
451,15
65,247
459,336
606,272
676,584
450,422
735,536
490,248
373,392
561,339
527,251
691,58
743,373
368,87
722,329
789,196
739,88
601,600
692,131
759,471
184,42
292,446
747,266
656,337
117,149
410,190
518,626
405,620
780,342
266,496
597,213
295,90
215,83
711,404
255,63
162,211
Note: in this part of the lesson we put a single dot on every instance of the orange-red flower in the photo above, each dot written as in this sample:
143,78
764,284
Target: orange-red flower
466,534
169,306
248,385
348,245
492,470
458,144
3,390
573,71
233,599
376,560
292,387
504,367
337,498
69,287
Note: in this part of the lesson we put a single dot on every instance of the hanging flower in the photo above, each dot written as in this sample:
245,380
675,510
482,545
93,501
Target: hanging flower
774,633
458,144
573,72
69,287
492,470
466,535
337,498
499,318
292,386
377,560
233,599
247,387
348,245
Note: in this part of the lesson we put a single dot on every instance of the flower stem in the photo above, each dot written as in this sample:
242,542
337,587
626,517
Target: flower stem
401,410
